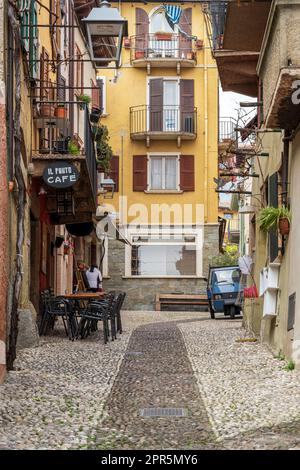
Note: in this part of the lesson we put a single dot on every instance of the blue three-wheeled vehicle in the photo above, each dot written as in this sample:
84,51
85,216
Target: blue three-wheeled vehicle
224,290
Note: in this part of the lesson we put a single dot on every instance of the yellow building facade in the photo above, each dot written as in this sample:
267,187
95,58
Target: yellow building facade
161,110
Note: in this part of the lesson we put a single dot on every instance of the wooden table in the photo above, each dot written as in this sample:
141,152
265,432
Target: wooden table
85,296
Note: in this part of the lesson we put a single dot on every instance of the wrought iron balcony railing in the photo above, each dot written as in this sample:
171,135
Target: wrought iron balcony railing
227,130
162,46
174,120
65,130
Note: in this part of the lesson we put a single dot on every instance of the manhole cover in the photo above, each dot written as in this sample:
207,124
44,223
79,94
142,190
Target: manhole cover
159,412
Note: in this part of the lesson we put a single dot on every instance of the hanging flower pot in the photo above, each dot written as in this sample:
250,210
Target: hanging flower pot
284,226
60,112
47,110
139,54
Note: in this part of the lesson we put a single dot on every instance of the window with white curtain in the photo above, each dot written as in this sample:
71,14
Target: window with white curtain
164,171
163,257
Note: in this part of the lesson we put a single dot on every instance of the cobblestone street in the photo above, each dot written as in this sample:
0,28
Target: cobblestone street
87,395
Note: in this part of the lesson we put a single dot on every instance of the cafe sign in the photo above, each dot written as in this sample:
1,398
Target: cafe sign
60,175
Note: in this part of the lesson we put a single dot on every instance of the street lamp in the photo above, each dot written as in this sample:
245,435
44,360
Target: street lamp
105,31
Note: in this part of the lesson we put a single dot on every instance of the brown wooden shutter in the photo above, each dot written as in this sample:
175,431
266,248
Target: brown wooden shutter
185,24
156,104
142,30
114,171
139,172
187,173
95,94
187,106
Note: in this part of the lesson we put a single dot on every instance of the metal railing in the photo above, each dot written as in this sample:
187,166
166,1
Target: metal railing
90,153
227,130
162,46
56,137
169,119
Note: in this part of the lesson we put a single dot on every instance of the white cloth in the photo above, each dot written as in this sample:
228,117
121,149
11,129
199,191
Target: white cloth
93,278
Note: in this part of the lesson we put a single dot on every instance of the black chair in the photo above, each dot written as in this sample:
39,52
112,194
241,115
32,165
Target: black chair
121,299
57,307
94,313
54,308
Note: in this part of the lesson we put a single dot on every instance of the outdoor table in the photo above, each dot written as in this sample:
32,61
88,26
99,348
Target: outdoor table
85,296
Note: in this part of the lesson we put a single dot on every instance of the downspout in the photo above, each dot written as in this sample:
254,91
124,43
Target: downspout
205,134
285,166
4,248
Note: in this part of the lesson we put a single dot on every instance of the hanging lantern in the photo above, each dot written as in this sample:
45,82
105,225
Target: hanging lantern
106,29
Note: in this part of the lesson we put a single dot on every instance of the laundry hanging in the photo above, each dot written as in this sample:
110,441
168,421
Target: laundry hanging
173,15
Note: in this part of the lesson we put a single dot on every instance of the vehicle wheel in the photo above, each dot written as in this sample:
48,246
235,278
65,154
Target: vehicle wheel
232,312
237,310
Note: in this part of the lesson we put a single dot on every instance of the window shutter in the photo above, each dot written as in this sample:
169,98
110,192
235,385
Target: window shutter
101,94
95,94
156,104
142,29
187,173
114,171
187,106
139,172
185,24
273,201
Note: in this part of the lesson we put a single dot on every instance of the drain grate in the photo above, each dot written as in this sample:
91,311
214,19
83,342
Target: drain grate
166,412
133,353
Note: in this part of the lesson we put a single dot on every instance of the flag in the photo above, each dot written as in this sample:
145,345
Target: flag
173,14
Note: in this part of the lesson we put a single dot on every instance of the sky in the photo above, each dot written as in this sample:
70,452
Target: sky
230,103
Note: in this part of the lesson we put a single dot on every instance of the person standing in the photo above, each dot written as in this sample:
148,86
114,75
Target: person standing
94,278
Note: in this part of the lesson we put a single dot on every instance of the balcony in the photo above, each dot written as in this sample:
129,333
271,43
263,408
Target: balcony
233,231
162,50
163,123
66,137
238,30
279,67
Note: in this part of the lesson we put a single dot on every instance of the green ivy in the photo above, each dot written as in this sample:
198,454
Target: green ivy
104,150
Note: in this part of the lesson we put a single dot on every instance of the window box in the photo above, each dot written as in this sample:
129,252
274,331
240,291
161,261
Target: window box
161,36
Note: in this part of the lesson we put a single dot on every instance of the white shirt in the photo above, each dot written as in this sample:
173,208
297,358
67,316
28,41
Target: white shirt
93,278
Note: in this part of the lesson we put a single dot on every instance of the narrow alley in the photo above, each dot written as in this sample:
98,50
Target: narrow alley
202,383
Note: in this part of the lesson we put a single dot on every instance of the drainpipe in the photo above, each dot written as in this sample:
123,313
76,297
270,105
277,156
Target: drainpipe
4,248
285,166
205,134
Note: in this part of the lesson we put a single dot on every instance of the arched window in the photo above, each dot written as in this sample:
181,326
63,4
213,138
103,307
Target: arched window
159,23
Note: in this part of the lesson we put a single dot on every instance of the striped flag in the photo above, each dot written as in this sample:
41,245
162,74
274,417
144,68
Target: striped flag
173,14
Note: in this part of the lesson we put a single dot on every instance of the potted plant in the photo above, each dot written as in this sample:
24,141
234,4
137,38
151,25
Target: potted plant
60,111
163,36
47,110
84,100
139,54
271,218
95,114
73,148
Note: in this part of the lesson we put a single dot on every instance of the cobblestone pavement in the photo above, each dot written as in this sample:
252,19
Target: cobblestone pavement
84,394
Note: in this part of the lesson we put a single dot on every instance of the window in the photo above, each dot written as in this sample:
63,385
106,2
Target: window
163,172
161,256
29,34
159,23
171,105
78,71
101,81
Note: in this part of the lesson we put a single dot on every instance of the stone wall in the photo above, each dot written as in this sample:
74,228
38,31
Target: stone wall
141,292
